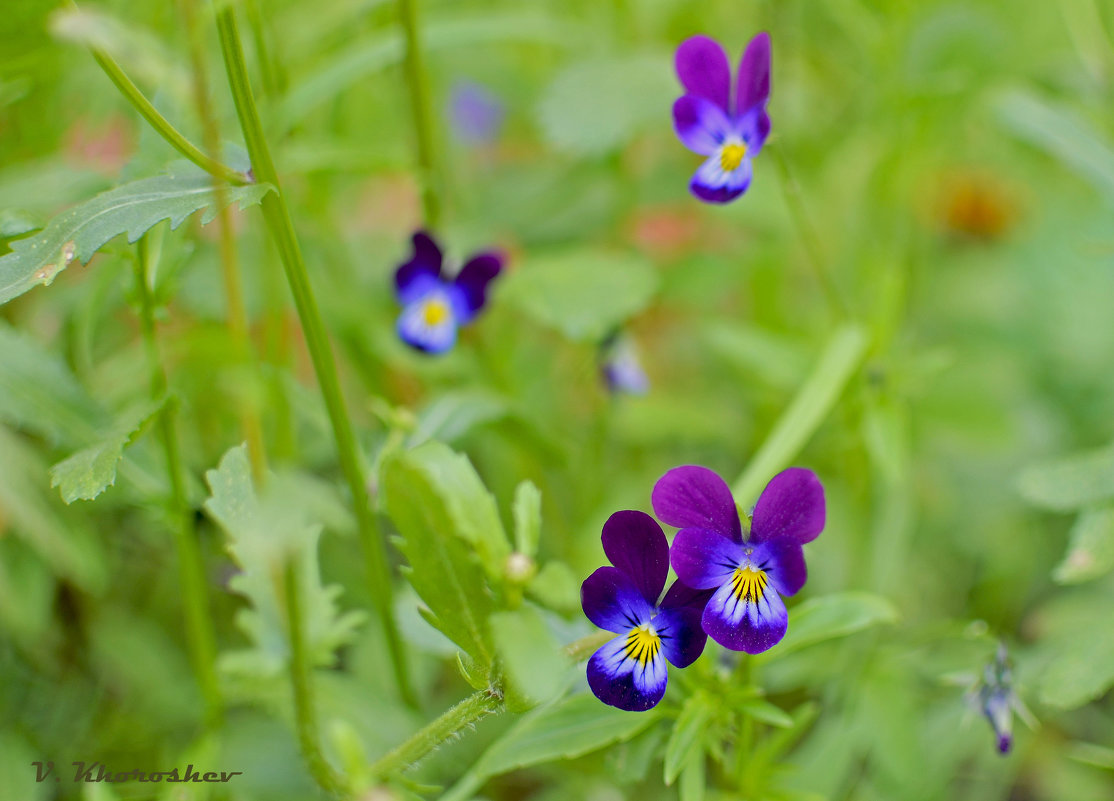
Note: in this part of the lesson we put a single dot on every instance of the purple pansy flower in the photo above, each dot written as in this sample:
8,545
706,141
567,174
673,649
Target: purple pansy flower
727,127
749,576
433,307
629,672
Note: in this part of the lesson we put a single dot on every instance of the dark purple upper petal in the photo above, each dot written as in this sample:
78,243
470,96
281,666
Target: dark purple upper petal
792,506
635,543
704,559
472,281
696,497
703,70
753,85
701,125
682,636
613,602
783,561
414,278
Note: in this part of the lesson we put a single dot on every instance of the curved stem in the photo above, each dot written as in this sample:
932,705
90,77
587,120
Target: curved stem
200,636
277,216
422,108
162,126
421,743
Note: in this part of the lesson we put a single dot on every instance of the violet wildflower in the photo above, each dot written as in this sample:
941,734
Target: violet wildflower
476,113
749,576
629,672
621,369
997,700
434,307
729,128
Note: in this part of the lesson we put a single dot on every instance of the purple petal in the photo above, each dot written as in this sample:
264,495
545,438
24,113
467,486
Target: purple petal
753,86
703,70
741,623
613,602
415,277
792,505
783,561
704,559
678,625
428,323
625,682
700,124
636,545
472,281
713,184
754,129
695,497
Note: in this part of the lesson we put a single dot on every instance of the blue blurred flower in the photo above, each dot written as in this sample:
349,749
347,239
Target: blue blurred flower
997,701
629,672
729,128
621,369
434,307
476,113
749,576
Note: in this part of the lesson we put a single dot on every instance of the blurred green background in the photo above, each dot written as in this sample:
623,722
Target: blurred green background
955,163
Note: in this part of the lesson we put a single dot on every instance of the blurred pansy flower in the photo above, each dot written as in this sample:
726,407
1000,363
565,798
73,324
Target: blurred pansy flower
750,575
433,306
997,701
476,113
727,127
629,672
620,367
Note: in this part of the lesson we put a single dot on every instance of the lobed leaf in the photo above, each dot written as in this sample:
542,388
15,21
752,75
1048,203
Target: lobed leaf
533,662
131,209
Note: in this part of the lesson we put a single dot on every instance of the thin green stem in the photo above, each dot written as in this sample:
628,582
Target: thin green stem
301,679
200,635
237,315
277,216
476,706
162,126
422,107
807,233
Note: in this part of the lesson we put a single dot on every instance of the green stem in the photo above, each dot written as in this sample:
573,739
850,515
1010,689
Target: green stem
422,108
200,636
237,318
808,234
301,679
450,724
277,216
162,126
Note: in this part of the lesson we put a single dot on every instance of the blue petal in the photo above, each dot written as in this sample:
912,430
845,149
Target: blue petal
753,622
624,681
428,323
713,184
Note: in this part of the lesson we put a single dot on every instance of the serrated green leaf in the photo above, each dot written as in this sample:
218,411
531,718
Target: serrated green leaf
131,209
453,414
265,532
533,662
687,733
1070,483
814,400
1083,666
566,729
584,294
1091,754
423,494
1091,549
831,616
595,107
14,223
766,712
527,518
90,471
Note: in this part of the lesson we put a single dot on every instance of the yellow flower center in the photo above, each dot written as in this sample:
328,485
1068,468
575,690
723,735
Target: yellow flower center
748,584
642,644
435,312
731,156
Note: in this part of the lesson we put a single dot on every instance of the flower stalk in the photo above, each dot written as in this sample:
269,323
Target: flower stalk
200,635
277,216
422,108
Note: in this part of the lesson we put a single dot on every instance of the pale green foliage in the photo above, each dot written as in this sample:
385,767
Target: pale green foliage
532,660
131,209
584,294
1091,550
527,518
266,530
1071,482
687,735
831,616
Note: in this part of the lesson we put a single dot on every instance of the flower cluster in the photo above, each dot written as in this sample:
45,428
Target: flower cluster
434,307
729,587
